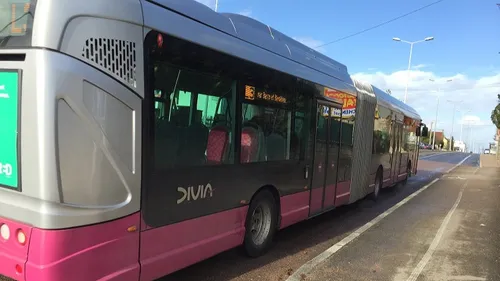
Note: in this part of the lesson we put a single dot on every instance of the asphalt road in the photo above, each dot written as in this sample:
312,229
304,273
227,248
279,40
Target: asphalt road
448,230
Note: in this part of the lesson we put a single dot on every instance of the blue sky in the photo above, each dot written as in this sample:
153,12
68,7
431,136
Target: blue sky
465,49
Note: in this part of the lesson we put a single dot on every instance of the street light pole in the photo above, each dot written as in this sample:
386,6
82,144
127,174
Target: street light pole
453,122
216,5
461,129
408,72
435,127
397,39
470,136
462,122
437,110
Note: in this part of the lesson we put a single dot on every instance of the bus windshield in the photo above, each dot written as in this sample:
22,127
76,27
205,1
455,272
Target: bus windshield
16,22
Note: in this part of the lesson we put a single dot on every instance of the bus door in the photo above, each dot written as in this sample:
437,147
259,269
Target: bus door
396,152
325,162
414,162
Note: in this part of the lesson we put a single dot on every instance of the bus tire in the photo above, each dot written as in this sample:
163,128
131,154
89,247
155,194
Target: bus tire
378,186
261,224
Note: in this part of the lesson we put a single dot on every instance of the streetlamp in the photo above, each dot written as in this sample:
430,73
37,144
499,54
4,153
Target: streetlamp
462,121
455,103
397,39
437,108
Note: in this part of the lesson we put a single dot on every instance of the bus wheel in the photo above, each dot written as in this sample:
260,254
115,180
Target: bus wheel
260,224
378,186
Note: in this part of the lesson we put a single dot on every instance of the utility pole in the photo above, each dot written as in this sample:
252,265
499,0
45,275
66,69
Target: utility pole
435,127
455,103
437,110
431,135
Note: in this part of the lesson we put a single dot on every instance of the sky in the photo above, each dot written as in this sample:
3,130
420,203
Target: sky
465,50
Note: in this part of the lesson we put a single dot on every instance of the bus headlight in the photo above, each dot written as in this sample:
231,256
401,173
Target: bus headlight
5,231
21,237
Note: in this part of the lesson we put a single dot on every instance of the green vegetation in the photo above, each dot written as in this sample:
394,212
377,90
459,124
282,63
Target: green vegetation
495,114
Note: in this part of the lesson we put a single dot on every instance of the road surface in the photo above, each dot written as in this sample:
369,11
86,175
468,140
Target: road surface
440,226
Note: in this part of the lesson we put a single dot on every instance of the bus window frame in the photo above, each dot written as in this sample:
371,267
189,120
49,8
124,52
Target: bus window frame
157,215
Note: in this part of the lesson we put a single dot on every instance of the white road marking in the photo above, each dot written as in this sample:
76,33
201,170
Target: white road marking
435,154
459,163
435,242
456,178
465,278
429,156
310,265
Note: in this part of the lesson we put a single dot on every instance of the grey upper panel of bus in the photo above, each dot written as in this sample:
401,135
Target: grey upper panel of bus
396,104
49,33
363,87
266,38
386,100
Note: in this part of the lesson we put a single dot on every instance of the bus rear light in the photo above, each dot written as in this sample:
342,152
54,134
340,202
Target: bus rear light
5,231
21,237
19,269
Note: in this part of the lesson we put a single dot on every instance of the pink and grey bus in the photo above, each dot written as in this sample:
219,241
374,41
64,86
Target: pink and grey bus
139,137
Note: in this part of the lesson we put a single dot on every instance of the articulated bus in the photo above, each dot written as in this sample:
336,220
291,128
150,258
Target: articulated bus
139,137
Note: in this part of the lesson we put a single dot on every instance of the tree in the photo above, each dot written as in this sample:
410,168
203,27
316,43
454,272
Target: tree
426,140
495,118
495,114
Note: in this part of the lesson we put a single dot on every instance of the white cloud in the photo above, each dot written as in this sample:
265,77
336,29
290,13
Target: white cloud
311,43
246,12
419,66
475,98
209,3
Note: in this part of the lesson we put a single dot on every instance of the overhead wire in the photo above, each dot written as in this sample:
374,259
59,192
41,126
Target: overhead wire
380,24
487,86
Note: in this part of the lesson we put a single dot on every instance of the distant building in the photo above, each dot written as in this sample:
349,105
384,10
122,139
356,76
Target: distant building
446,143
460,146
439,137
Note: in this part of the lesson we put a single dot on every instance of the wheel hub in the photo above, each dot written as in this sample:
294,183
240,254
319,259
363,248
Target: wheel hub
261,224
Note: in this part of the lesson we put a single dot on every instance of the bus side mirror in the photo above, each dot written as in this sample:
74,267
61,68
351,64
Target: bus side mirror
425,131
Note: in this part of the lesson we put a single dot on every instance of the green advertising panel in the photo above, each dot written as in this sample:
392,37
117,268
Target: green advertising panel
9,98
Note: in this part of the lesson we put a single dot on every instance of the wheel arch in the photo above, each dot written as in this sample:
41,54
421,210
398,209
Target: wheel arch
276,196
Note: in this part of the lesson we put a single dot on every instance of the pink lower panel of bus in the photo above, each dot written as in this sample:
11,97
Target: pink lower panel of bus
402,176
316,200
170,248
334,195
13,254
386,182
294,208
329,196
104,251
343,193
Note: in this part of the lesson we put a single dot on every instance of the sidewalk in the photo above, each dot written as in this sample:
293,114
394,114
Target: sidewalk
448,232
489,161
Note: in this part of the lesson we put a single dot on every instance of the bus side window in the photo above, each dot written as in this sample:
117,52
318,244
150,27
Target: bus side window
267,130
194,115
274,122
